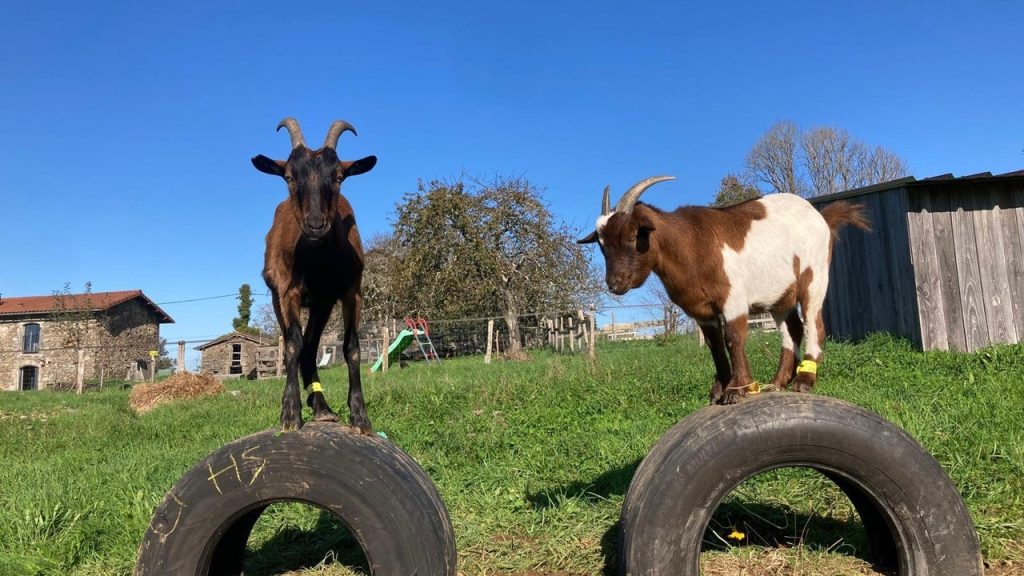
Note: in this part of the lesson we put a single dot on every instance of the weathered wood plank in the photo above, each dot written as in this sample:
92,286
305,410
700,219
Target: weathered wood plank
995,287
948,277
968,269
837,324
894,209
926,273
1013,238
858,296
879,270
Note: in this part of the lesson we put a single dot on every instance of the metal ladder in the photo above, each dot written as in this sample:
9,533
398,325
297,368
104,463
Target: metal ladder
421,332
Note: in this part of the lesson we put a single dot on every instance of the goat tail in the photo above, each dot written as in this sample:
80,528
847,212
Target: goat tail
840,213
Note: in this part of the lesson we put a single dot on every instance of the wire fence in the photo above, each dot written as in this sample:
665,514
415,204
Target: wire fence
569,331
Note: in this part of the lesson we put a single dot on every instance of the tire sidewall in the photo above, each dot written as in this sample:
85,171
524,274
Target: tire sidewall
375,489
698,463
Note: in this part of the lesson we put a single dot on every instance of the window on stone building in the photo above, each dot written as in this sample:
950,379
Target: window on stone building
236,359
29,378
30,341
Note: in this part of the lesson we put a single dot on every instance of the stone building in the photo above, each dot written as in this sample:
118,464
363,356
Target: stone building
233,354
40,337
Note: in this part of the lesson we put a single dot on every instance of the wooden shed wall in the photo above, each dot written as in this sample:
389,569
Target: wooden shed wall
966,243
871,279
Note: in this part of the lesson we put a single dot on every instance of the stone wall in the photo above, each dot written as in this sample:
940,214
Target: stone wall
216,359
113,340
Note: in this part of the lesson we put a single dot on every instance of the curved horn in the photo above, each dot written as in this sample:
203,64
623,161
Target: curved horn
629,199
606,202
293,131
337,129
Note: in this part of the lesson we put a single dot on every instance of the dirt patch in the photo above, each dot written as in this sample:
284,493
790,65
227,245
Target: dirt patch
182,386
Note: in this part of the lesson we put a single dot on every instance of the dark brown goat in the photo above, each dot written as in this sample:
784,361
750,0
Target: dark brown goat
314,258
720,264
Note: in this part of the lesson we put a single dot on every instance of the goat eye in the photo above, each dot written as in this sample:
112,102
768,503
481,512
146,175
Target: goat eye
287,178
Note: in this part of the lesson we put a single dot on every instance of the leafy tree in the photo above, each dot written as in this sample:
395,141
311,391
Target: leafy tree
819,161
733,191
472,249
241,323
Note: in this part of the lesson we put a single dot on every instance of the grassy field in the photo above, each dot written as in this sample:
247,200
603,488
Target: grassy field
533,459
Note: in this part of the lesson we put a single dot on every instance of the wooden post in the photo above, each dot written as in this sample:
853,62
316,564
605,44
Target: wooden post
280,356
497,342
101,377
560,345
572,334
613,325
593,331
582,327
80,376
181,356
490,341
384,350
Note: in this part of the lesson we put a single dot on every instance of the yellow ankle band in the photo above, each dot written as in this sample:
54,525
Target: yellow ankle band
754,387
316,387
809,366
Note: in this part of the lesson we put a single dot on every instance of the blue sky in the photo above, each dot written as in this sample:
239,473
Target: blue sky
128,127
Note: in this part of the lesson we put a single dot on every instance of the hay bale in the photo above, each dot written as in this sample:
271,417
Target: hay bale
181,386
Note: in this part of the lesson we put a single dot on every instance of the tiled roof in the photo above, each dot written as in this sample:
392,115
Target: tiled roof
94,302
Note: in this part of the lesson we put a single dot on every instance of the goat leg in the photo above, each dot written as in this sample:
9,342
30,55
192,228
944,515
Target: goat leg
736,339
319,314
723,372
352,309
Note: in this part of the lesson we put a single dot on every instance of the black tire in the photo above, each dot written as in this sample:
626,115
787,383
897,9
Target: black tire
385,499
914,517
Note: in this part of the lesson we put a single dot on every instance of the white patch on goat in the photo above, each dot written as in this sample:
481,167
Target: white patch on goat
762,270
602,221
780,321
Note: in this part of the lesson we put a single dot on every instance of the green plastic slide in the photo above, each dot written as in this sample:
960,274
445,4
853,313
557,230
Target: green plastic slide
404,339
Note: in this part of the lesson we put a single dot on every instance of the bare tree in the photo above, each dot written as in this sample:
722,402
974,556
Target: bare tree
266,321
772,161
73,317
383,278
882,165
819,161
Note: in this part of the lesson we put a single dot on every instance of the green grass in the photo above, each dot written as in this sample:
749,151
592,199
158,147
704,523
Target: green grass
533,458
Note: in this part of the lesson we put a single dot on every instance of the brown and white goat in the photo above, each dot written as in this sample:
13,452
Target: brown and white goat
314,258
721,264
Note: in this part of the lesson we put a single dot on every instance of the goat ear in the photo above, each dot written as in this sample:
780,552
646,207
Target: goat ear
356,167
644,225
268,166
588,239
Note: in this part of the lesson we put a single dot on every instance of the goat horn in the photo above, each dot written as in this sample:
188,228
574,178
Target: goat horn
337,129
606,202
293,131
628,200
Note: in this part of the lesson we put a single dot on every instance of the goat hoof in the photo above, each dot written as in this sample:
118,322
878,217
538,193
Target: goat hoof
325,416
802,386
362,423
291,426
717,390
732,397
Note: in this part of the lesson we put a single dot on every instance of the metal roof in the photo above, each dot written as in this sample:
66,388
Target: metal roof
911,182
